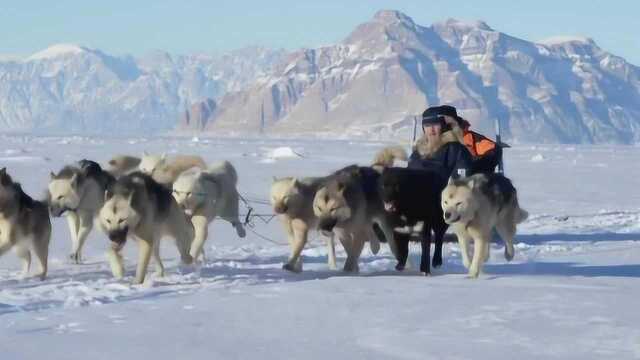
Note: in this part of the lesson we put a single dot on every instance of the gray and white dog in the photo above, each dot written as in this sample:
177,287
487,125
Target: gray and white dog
349,203
24,225
138,207
205,195
474,206
78,193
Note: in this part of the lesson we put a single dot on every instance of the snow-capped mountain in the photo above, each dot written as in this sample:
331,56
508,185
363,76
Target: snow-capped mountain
68,87
563,89
390,68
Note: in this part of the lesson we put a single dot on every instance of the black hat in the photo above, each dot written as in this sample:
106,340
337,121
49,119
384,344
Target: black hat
435,114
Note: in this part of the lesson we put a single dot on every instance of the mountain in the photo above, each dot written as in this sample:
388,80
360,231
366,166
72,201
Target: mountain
371,84
67,87
388,69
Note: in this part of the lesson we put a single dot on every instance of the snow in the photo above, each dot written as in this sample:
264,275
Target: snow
283,152
561,39
538,158
571,291
57,50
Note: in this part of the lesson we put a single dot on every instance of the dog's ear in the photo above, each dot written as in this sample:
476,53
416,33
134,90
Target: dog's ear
451,181
341,187
130,198
275,179
294,182
76,180
163,157
107,195
52,175
5,179
471,184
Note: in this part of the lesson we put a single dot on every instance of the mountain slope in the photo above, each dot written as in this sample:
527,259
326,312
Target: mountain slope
390,68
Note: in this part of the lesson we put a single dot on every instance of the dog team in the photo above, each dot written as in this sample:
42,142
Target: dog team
149,198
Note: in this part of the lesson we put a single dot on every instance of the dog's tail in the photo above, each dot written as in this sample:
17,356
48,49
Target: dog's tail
387,156
520,213
224,168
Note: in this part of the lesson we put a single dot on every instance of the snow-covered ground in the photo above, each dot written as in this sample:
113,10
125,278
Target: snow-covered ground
571,292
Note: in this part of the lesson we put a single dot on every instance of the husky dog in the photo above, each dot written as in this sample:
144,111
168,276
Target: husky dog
122,165
138,207
292,200
474,206
24,224
349,202
413,196
166,171
78,193
205,194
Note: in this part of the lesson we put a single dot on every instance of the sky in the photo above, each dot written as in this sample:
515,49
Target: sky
190,26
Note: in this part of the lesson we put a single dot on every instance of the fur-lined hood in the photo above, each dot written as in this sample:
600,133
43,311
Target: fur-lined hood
426,150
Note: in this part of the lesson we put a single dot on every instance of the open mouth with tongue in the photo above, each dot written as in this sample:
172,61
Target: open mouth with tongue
389,206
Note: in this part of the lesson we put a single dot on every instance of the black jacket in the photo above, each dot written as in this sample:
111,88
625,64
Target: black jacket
446,161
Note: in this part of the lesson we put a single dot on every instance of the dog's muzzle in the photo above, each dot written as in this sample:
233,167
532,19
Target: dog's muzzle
280,208
58,211
448,218
118,238
327,224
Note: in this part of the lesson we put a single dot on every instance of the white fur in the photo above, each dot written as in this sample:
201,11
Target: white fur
166,171
205,195
86,198
473,217
118,214
294,208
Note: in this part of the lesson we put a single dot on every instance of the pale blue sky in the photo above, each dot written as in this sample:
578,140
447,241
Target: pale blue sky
186,26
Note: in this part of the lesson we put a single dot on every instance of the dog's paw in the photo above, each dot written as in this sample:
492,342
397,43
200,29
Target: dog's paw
241,232
426,274
400,267
466,263
437,262
75,258
473,273
508,255
291,268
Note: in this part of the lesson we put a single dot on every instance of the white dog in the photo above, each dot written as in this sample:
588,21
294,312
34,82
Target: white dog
164,170
203,195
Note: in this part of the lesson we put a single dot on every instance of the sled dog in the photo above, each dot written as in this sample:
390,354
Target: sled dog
292,200
164,170
121,165
349,203
474,206
78,193
138,207
24,225
205,194
413,197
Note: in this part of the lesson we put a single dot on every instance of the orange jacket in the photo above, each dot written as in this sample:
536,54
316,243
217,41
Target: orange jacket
478,145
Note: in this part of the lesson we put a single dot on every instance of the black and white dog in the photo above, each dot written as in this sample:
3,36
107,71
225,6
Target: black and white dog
413,196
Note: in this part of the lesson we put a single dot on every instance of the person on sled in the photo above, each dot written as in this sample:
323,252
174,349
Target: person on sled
446,136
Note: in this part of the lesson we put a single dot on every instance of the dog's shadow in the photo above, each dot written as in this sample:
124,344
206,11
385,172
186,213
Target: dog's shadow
563,269
536,239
